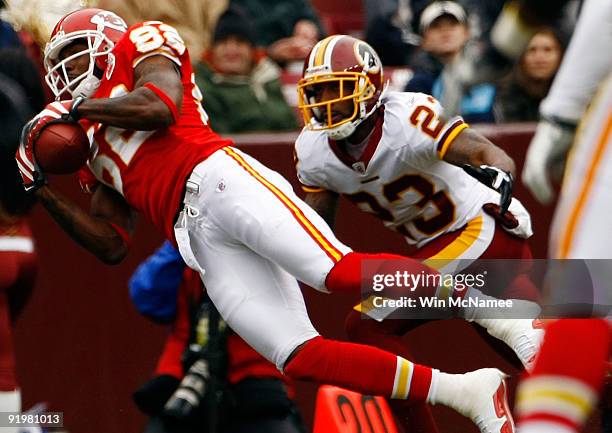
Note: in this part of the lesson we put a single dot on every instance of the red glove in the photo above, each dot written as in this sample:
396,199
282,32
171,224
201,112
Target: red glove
31,174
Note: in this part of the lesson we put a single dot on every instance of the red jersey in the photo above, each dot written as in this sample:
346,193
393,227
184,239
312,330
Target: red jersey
17,275
150,168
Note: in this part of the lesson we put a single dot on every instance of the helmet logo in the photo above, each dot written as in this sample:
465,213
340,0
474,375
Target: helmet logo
367,57
110,20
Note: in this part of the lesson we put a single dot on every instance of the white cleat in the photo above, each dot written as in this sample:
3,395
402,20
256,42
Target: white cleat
524,336
485,401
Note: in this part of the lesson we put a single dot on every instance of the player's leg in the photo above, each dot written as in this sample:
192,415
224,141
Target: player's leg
263,304
10,401
570,368
581,226
257,207
563,388
387,335
481,239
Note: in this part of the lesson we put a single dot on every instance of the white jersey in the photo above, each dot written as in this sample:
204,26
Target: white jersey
400,176
585,64
581,228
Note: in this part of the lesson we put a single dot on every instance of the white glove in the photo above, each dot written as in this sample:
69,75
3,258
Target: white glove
546,158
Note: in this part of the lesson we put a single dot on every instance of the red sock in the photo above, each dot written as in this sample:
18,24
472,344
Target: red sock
356,270
387,335
568,375
360,368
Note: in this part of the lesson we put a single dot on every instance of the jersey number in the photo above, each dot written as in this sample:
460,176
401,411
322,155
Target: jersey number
151,37
394,191
425,118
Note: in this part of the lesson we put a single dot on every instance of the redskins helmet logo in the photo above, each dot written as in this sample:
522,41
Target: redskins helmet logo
367,57
110,20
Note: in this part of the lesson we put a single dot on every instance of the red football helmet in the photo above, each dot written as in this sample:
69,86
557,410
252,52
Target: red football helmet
355,69
100,29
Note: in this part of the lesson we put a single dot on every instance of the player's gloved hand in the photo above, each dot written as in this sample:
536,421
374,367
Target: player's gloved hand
31,173
32,176
546,157
507,219
499,180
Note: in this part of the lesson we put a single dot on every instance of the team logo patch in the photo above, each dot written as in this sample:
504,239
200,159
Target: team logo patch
359,167
367,57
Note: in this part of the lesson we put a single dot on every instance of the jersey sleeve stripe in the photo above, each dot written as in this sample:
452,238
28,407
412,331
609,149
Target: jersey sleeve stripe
166,52
307,188
449,135
332,252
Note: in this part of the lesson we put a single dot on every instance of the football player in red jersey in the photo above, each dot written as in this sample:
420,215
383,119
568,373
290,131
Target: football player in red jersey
236,222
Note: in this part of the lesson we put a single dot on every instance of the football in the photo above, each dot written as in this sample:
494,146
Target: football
61,148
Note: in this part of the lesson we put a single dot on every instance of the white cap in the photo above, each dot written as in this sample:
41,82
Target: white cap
438,9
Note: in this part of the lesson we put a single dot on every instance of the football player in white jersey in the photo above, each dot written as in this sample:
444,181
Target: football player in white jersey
568,373
395,155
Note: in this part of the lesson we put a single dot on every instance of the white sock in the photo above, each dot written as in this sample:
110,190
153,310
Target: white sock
446,389
471,313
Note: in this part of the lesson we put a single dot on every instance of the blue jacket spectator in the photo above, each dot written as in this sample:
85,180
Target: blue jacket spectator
154,284
439,68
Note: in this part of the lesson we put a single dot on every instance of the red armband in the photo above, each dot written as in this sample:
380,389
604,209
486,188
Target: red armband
127,239
165,98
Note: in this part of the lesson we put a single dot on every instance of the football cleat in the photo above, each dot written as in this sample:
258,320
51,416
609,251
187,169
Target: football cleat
524,336
485,401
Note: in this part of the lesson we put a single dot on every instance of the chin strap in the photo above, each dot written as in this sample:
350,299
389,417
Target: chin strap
86,87
343,131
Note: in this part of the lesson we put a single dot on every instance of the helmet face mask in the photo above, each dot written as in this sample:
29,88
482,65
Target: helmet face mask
353,72
321,113
99,30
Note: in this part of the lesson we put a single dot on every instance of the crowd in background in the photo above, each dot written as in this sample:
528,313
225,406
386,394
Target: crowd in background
249,53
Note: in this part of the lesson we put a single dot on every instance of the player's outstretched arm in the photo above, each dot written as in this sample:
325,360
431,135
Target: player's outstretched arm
486,162
472,148
325,203
105,231
153,104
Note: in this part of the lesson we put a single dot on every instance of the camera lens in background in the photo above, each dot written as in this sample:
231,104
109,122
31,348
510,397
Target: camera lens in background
186,399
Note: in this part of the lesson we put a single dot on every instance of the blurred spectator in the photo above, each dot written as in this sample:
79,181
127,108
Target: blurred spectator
519,95
241,85
17,256
8,35
389,30
287,28
244,392
194,19
438,68
17,65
